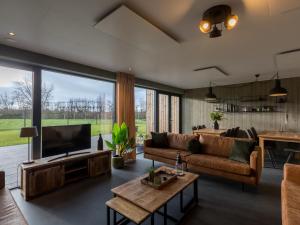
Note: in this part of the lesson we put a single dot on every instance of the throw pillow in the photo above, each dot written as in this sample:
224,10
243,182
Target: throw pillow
241,151
160,140
194,146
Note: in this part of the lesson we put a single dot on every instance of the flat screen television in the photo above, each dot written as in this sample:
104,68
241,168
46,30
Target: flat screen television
64,139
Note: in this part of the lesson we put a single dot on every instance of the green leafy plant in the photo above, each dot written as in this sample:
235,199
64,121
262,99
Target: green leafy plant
151,172
121,143
216,116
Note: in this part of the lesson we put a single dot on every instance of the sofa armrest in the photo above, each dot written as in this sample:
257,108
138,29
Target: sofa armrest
291,172
2,179
147,143
256,162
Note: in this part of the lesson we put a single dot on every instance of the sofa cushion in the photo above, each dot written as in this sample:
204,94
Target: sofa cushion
219,163
160,140
180,141
194,146
241,151
290,195
166,153
216,145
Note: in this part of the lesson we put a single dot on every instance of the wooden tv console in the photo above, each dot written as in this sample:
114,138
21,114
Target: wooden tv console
44,176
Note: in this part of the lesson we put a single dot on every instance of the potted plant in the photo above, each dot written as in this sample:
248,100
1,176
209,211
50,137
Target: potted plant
151,174
121,144
216,116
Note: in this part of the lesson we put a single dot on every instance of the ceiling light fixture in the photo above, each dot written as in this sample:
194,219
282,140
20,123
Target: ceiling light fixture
210,96
12,34
219,14
278,91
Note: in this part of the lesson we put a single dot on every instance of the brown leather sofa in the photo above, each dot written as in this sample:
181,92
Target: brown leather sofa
9,211
168,155
213,159
290,195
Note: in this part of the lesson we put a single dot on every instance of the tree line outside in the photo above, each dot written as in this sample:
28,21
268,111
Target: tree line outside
16,110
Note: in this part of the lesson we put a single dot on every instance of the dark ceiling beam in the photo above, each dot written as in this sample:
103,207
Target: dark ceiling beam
28,58
36,59
157,86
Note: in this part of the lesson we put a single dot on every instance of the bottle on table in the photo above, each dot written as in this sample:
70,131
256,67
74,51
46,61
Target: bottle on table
179,164
100,143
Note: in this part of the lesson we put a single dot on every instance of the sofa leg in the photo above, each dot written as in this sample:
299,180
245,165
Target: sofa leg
243,187
152,163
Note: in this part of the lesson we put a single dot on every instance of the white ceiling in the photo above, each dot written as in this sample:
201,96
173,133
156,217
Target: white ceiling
126,25
66,29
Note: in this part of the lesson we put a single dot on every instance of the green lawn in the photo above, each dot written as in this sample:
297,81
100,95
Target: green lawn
10,128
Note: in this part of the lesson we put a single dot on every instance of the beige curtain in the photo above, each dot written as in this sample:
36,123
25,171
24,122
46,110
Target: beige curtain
125,104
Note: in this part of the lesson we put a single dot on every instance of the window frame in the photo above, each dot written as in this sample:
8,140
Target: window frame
36,96
156,107
36,103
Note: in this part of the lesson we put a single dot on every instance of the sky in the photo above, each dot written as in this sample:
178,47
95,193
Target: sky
65,86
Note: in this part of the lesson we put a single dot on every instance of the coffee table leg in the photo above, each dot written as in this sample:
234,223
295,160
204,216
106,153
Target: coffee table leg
114,217
152,219
196,191
181,201
166,214
108,215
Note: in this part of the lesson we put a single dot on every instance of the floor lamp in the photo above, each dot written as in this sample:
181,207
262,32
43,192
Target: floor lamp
28,132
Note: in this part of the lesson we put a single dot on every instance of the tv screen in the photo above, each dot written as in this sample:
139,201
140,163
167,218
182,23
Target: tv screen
64,139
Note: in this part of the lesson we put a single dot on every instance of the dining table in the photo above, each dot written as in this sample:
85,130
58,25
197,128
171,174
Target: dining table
280,136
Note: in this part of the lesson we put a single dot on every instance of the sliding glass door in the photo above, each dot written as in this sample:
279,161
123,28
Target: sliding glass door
168,113
71,100
15,113
144,114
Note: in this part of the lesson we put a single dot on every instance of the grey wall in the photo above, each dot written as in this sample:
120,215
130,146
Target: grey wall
196,110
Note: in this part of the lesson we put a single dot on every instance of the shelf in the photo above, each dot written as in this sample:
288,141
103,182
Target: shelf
75,169
251,112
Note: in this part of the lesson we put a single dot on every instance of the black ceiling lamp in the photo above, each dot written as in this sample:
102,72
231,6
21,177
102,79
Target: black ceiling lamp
210,96
219,14
278,91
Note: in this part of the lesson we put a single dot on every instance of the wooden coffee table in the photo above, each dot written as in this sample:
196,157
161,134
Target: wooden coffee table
152,200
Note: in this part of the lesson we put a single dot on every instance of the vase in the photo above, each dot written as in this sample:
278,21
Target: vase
216,125
118,162
151,176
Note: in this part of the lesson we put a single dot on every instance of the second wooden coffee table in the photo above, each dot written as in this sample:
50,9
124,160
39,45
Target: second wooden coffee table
152,200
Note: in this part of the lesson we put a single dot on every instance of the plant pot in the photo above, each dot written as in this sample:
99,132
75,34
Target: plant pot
216,125
118,162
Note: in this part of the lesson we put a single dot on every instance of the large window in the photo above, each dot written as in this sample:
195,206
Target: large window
144,113
68,99
15,104
168,114
15,113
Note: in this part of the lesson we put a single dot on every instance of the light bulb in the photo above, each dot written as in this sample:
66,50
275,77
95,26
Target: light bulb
12,34
205,26
231,22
